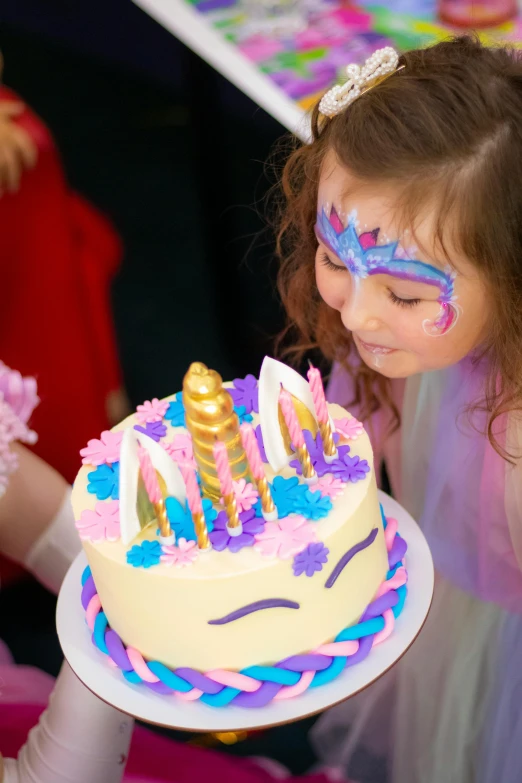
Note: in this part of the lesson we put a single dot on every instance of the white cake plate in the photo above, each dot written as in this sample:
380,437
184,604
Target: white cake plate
91,667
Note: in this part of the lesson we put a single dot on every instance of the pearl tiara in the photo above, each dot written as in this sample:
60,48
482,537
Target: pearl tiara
381,64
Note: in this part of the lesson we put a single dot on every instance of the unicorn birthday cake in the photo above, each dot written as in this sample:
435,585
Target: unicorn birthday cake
237,551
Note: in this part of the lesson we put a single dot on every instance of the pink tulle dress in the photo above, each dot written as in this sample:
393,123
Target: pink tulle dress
450,711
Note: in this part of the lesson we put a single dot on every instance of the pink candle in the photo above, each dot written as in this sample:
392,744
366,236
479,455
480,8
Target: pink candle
223,468
317,389
193,494
255,463
290,417
150,479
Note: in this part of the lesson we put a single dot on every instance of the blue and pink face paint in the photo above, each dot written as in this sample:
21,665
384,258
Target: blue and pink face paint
363,256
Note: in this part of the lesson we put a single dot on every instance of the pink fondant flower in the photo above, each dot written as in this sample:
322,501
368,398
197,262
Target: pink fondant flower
329,486
101,524
349,429
106,449
181,450
246,495
151,410
181,555
286,537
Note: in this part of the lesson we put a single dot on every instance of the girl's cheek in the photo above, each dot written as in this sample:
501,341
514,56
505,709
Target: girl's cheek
330,287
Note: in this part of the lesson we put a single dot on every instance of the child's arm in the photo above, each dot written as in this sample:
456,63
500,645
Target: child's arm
36,520
79,739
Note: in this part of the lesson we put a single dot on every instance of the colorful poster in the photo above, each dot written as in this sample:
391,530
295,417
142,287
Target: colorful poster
303,45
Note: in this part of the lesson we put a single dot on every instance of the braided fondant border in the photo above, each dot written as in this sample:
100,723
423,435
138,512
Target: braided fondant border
256,686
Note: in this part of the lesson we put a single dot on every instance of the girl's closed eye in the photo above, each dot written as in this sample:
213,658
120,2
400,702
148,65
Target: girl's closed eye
325,259
402,302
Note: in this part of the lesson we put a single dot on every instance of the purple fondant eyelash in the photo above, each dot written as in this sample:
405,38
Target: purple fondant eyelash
345,559
266,603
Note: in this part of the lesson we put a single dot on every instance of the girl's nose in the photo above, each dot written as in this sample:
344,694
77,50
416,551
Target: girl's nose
359,312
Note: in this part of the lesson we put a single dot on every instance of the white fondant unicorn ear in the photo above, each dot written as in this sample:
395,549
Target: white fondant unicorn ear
130,525
274,374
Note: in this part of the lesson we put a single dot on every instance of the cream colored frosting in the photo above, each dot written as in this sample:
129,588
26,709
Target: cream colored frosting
164,612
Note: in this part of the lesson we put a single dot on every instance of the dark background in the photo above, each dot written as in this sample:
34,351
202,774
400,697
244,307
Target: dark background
175,156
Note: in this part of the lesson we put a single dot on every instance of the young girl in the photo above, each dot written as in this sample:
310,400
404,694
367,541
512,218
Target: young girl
402,248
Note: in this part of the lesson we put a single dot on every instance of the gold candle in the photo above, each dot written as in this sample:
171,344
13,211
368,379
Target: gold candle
210,416
163,520
309,474
267,502
200,527
329,447
234,523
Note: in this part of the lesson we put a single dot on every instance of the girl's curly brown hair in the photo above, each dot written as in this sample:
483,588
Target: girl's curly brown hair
449,123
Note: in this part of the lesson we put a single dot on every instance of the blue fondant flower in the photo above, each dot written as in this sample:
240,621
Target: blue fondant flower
176,411
144,555
210,514
245,392
315,448
180,517
285,492
154,429
104,482
312,505
310,559
242,414
350,468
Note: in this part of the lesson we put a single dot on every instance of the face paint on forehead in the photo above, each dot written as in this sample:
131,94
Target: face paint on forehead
363,256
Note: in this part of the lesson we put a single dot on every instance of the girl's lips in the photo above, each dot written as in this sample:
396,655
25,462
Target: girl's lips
379,350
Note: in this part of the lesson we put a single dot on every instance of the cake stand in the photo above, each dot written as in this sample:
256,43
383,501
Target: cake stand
91,667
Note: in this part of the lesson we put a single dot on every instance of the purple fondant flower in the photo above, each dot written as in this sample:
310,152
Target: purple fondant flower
310,559
221,538
261,444
350,469
154,429
315,447
245,392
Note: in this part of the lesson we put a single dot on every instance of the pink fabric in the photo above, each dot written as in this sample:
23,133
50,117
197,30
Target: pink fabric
453,483
387,448
5,655
25,691
23,685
